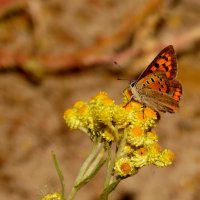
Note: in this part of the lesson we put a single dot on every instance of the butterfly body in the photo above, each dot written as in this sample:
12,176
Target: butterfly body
156,87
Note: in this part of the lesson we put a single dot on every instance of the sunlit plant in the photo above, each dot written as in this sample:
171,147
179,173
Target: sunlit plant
123,139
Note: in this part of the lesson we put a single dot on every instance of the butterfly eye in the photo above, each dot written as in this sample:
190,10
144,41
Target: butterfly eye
132,84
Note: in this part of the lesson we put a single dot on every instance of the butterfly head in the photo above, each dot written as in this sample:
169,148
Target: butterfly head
132,83
135,94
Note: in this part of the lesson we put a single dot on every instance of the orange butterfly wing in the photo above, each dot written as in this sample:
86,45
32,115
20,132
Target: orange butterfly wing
165,61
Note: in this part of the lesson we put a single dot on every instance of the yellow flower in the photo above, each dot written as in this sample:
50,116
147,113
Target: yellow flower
127,95
154,152
81,107
120,117
102,98
124,167
128,149
52,196
165,158
146,119
67,113
149,113
133,106
136,136
151,138
101,107
108,135
150,118
140,157
72,119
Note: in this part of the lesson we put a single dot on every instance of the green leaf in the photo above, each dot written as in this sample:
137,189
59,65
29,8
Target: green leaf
60,175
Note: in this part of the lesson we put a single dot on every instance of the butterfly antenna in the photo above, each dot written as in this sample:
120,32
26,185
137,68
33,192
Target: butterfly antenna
117,65
121,79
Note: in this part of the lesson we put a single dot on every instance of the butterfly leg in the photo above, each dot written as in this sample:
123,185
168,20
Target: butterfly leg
143,107
129,101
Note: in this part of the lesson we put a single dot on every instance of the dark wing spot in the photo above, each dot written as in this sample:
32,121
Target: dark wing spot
160,79
151,70
156,65
159,89
162,86
166,58
152,80
165,66
144,85
147,82
158,82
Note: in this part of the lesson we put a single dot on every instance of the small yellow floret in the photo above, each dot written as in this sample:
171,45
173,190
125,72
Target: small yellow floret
165,158
153,152
128,149
67,113
124,167
108,135
127,95
136,136
52,196
133,106
142,151
140,157
149,113
102,97
151,138
137,132
81,107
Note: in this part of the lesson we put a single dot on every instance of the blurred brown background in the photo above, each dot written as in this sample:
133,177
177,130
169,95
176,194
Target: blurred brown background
53,53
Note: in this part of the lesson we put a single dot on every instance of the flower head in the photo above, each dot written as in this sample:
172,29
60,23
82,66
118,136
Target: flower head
140,157
165,158
124,167
136,136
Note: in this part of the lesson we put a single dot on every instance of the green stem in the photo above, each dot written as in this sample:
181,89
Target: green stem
95,163
72,193
96,148
121,146
109,168
115,131
109,189
89,159
111,181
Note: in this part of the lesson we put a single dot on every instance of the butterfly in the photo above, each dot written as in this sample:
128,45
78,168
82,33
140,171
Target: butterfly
157,87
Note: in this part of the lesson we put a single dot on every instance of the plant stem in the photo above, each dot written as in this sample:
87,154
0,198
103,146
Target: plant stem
109,168
112,181
86,165
95,163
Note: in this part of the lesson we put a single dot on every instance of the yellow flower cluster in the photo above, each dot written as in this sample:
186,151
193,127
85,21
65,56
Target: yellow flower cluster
130,122
100,117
